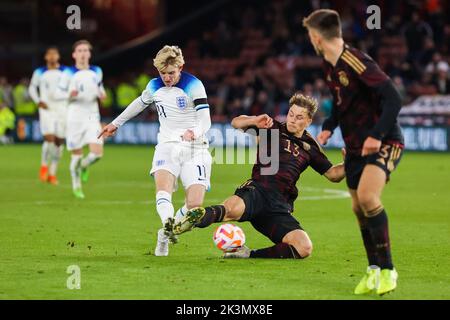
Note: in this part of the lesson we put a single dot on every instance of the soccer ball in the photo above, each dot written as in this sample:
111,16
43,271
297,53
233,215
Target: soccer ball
229,237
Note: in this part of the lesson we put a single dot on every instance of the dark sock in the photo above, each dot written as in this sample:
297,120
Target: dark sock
280,251
371,250
213,214
370,247
378,226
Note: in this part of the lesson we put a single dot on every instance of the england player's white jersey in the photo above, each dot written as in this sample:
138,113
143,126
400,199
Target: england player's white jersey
43,86
177,107
88,84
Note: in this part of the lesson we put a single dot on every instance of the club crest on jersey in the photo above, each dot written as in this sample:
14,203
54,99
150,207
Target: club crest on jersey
343,79
181,102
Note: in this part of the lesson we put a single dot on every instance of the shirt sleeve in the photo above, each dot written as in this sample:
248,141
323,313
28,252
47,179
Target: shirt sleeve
34,85
198,95
365,68
319,161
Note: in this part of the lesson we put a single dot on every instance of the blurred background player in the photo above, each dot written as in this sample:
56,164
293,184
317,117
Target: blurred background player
365,106
82,85
182,150
52,113
267,200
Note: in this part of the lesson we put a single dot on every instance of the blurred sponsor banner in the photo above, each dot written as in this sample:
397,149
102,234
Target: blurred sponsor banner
418,138
426,111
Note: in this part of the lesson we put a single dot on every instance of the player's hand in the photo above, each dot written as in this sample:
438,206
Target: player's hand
323,137
263,121
188,135
73,93
108,131
370,146
42,105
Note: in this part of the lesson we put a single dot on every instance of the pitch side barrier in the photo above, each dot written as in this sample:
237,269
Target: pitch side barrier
417,138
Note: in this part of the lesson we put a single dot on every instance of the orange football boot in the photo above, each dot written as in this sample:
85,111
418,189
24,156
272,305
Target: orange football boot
53,180
43,173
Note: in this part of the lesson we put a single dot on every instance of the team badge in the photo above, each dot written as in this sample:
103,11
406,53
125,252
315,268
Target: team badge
343,78
182,102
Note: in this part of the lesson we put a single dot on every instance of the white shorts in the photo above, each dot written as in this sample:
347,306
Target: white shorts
191,164
52,123
81,133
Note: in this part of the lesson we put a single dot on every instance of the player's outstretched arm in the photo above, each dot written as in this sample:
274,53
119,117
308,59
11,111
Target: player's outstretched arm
134,108
337,172
243,122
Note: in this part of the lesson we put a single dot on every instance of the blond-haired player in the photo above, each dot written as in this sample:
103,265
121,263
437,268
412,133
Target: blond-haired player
182,150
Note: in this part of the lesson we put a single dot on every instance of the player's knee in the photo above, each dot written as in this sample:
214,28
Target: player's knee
301,243
193,203
367,201
98,155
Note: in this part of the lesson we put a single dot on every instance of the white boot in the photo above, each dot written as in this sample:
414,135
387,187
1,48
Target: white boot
162,247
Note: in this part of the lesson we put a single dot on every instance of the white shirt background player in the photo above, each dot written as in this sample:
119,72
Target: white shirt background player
52,113
82,84
182,150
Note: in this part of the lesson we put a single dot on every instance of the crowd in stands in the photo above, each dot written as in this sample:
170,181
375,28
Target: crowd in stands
258,54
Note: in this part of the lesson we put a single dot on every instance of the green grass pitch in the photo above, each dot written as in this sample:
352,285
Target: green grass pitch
111,235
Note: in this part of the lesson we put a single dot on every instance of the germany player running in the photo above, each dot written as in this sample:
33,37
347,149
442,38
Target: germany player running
182,150
82,84
267,199
365,107
52,113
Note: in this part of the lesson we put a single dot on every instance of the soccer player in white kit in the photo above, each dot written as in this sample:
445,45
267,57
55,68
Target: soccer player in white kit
52,113
82,85
182,150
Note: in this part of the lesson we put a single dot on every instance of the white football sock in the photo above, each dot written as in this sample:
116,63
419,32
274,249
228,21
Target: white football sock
76,179
181,212
57,154
90,159
45,154
164,205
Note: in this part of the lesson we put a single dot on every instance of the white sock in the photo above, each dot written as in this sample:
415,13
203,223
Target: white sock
45,154
76,179
181,212
56,156
164,205
90,159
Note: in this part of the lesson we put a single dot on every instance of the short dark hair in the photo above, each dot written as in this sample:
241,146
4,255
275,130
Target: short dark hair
51,48
80,42
306,102
326,22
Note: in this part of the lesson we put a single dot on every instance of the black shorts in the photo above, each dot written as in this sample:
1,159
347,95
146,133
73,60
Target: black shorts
387,159
267,212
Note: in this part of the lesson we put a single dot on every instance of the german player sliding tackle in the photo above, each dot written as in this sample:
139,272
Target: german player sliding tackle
267,199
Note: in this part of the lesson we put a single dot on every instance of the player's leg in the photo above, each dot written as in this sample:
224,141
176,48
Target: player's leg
232,209
94,155
75,172
48,147
290,240
373,180
59,125
370,280
75,133
95,149
165,182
